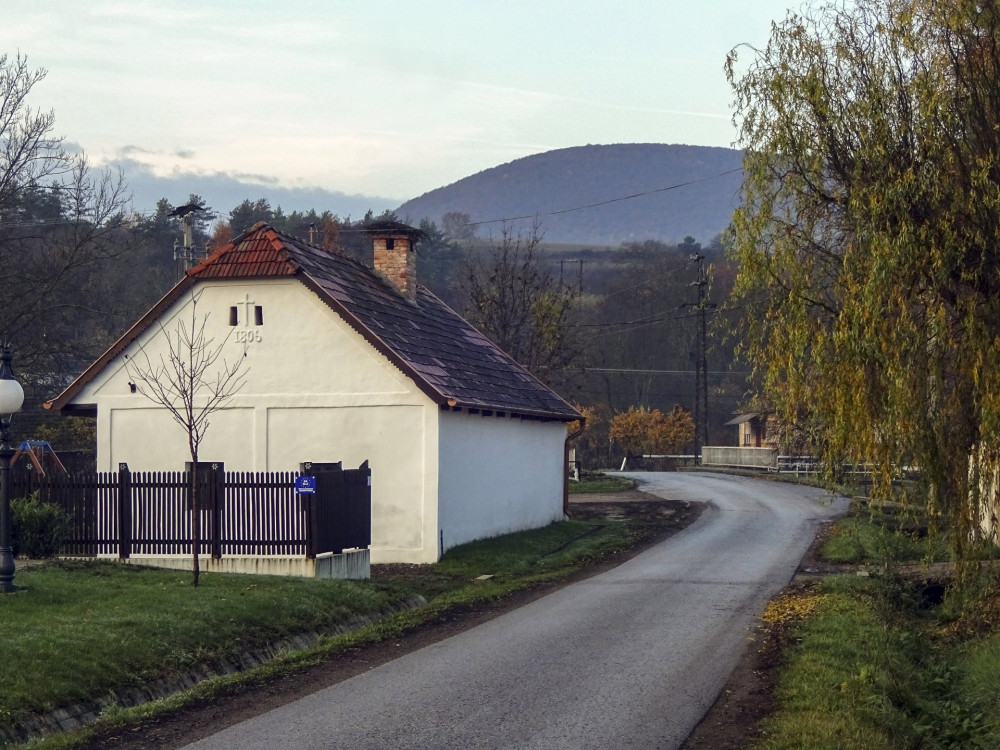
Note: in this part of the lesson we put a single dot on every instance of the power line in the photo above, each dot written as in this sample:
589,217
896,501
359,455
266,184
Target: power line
647,320
653,394
629,371
606,202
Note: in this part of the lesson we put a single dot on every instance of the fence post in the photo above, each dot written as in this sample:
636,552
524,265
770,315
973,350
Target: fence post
124,511
217,494
309,506
361,508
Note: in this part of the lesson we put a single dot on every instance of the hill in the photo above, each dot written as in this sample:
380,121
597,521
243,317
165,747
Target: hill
572,177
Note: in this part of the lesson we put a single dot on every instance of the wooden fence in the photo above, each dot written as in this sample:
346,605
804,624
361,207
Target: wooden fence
242,513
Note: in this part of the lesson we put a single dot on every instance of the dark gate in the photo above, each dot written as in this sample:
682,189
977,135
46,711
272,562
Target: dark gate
340,510
211,493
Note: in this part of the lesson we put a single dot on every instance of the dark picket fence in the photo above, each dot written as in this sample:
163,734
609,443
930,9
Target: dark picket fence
242,513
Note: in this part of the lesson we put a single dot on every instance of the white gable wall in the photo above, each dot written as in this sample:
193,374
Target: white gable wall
315,391
397,443
498,475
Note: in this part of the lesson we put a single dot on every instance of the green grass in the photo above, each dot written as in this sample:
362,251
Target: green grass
517,561
858,540
885,536
93,628
553,549
978,684
871,669
874,667
600,483
846,685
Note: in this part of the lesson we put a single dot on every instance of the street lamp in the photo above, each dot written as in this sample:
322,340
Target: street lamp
11,398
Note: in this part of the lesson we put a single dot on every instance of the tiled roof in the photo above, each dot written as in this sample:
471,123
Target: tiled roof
443,354
258,252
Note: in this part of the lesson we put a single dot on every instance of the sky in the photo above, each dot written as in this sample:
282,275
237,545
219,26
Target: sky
383,98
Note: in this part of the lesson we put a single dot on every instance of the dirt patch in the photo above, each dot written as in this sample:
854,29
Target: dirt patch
625,496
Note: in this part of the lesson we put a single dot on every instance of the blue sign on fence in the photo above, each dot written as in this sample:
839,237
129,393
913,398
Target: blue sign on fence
305,485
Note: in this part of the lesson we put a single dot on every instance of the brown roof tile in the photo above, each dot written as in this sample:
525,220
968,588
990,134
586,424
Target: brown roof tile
258,252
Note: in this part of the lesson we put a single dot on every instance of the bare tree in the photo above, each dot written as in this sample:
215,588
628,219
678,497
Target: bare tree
62,226
191,381
519,305
28,151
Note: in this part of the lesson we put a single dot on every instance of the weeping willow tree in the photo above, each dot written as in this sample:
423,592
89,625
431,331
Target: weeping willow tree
868,238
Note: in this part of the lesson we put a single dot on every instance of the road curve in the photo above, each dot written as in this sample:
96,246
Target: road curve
631,658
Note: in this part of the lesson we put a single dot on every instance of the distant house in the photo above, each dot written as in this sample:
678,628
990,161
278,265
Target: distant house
755,430
756,447
348,363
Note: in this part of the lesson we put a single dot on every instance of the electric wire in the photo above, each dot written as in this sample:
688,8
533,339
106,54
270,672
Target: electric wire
610,200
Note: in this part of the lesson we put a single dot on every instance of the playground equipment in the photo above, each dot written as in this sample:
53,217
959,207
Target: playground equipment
36,451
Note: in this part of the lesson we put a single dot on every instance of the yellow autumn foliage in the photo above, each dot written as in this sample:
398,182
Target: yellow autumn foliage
649,431
789,608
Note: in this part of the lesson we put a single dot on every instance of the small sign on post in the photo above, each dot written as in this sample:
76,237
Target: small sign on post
305,485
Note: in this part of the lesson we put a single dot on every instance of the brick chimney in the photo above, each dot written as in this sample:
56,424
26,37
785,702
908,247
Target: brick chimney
395,256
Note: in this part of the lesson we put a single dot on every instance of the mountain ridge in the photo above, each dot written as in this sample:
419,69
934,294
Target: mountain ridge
598,194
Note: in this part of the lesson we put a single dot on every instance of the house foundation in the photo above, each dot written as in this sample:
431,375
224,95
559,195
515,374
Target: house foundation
347,565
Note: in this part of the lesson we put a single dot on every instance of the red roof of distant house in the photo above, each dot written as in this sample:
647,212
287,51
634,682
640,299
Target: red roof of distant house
448,359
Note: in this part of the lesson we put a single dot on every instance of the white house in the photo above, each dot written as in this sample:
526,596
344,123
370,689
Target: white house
347,363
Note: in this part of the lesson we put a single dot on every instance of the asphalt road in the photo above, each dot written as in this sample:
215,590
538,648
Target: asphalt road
632,658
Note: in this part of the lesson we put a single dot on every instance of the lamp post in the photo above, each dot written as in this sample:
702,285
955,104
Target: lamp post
11,398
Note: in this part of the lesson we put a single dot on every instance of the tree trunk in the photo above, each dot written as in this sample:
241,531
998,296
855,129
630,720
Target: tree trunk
195,521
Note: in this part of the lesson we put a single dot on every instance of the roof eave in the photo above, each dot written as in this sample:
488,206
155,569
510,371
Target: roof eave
546,413
80,410
553,416
64,401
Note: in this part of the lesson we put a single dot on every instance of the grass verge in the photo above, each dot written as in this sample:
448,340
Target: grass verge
600,483
873,662
93,627
96,628
887,536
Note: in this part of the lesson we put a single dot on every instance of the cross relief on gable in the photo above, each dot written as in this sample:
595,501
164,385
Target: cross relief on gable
247,317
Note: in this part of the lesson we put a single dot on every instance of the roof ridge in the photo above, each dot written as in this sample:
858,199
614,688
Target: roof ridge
272,234
260,251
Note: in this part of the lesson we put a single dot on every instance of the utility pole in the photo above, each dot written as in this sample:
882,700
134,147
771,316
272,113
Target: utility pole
187,255
701,360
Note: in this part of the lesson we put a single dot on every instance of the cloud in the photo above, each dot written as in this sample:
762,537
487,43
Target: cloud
223,191
130,151
160,15
538,99
255,178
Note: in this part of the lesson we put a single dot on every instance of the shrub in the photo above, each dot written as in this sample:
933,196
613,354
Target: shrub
642,431
39,529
